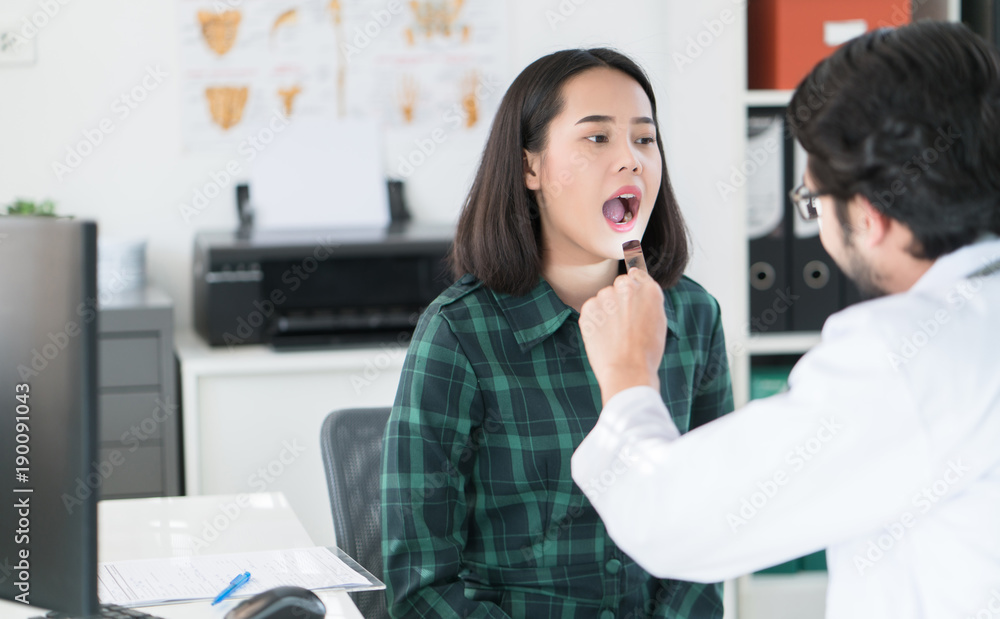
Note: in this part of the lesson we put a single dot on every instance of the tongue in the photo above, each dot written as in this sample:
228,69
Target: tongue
614,210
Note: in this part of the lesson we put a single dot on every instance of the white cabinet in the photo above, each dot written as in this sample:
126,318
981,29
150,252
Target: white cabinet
252,417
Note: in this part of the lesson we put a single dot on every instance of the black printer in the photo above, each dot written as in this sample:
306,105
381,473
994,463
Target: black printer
317,287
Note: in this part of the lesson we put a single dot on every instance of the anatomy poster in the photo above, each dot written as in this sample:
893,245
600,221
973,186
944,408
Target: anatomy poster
249,64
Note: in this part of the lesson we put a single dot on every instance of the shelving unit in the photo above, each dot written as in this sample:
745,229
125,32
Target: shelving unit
777,596
800,595
767,98
789,343
785,342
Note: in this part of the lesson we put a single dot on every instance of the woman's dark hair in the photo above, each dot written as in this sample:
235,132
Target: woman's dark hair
909,118
499,231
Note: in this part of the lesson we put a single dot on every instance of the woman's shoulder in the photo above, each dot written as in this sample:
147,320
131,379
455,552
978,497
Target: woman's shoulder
465,292
690,302
690,291
466,299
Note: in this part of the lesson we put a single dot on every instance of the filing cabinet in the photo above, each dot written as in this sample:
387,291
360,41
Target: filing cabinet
139,440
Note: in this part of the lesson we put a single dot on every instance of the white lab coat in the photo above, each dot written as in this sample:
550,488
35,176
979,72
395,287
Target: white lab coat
885,450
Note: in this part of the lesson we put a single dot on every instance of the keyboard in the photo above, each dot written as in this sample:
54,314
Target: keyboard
107,611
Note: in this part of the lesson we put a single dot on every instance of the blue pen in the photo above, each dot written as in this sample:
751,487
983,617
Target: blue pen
238,582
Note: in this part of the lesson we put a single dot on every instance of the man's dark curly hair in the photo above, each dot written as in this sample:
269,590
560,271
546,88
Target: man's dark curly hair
909,118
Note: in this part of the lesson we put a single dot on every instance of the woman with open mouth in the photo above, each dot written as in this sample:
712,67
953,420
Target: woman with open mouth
480,514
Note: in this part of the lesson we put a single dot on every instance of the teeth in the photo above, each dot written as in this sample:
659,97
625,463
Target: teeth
627,195
627,218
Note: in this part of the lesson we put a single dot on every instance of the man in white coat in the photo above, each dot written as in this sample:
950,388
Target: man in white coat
885,449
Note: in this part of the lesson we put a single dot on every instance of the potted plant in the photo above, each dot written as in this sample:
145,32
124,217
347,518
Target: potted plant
46,208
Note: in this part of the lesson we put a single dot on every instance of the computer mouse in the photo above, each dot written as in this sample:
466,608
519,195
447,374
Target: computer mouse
285,602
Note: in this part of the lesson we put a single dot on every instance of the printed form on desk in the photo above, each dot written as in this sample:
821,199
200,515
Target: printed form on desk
182,579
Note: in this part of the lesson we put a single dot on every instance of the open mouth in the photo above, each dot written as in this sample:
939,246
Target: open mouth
622,208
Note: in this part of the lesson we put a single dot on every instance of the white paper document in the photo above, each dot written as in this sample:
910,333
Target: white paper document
836,33
178,579
321,174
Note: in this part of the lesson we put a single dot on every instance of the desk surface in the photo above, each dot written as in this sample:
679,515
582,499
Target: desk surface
182,526
198,357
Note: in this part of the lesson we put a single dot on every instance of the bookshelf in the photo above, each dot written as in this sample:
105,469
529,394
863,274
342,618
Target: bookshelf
799,595
767,98
788,343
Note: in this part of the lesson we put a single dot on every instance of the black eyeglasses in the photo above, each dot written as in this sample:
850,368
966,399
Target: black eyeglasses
807,202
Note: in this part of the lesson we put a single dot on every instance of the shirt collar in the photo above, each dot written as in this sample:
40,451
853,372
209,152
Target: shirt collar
540,313
960,263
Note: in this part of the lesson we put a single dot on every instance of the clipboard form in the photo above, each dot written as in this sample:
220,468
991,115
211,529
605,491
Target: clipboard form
147,582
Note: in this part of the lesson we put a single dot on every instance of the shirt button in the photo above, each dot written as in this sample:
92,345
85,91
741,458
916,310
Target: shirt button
607,614
613,566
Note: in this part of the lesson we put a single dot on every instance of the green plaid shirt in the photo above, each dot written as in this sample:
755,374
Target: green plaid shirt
480,516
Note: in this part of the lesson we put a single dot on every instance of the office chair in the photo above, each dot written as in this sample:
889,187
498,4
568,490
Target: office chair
351,442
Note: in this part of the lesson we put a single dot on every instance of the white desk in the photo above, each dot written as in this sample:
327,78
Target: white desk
173,526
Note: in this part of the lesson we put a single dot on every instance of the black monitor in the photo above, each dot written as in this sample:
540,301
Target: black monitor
48,412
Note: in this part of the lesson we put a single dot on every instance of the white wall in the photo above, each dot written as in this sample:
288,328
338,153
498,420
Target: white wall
91,51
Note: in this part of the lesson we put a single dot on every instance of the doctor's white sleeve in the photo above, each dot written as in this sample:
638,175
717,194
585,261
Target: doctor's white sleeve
836,456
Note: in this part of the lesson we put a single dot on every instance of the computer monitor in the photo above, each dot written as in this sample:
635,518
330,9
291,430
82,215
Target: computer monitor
48,413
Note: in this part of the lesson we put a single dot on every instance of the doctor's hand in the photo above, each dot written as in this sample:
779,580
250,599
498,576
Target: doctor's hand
624,332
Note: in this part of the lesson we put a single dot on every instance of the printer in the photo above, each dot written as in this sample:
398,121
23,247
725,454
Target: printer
317,287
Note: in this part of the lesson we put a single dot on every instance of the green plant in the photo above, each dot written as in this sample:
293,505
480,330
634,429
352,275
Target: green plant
28,207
